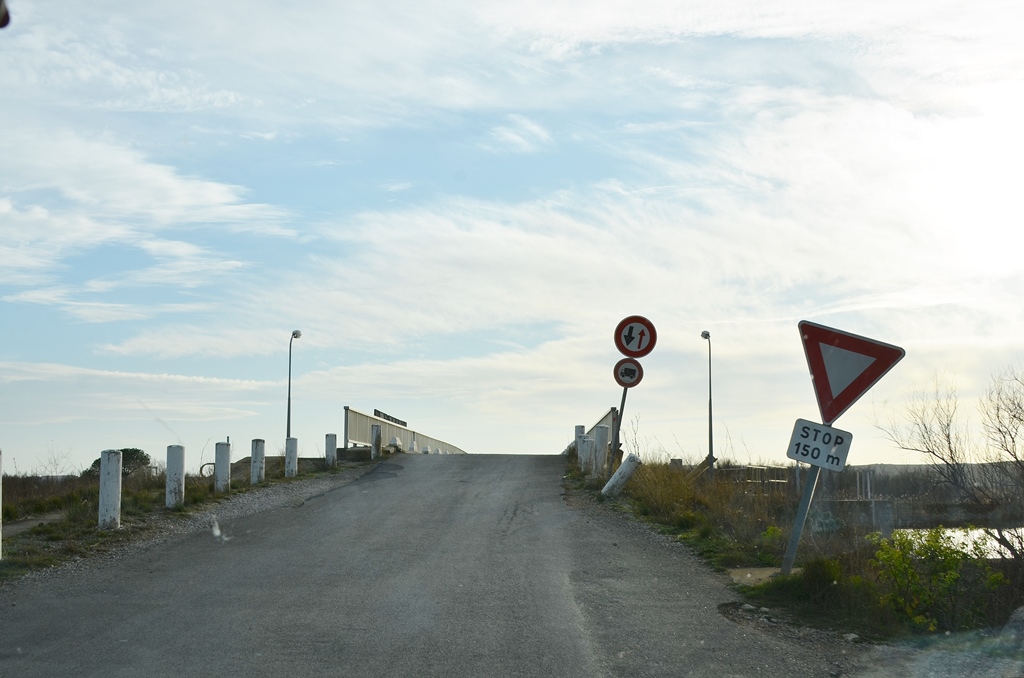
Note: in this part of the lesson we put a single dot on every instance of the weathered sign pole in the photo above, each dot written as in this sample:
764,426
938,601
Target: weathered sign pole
635,337
843,367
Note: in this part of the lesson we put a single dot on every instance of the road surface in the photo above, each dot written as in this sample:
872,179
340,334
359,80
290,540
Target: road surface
454,566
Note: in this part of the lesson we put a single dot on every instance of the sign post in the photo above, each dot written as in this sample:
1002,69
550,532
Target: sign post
635,337
843,367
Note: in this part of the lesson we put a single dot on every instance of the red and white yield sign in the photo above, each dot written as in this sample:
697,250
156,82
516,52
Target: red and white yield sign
628,372
635,336
843,366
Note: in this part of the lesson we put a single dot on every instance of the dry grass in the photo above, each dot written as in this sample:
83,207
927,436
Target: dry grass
733,523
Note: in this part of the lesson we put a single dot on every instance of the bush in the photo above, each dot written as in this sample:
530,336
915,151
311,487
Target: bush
132,460
934,581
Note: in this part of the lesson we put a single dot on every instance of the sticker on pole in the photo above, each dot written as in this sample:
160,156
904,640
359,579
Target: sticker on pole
635,336
628,373
843,366
819,445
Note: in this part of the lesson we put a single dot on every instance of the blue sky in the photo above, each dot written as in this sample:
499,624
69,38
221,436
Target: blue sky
456,203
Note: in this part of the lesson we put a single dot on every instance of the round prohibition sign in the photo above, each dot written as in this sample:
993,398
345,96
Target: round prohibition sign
628,373
635,336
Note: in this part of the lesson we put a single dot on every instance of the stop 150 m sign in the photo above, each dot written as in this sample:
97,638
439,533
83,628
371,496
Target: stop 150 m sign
819,445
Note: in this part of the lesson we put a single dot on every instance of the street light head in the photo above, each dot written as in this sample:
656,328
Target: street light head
705,335
296,334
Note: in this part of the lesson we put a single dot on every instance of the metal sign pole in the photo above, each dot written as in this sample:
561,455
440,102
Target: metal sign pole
801,518
615,436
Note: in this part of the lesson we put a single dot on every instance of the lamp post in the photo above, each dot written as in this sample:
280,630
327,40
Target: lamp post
711,436
295,335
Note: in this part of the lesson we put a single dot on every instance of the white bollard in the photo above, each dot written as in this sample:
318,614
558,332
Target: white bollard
258,461
331,445
618,481
601,460
110,489
175,476
587,460
374,441
581,431
291,458
222,468
412,447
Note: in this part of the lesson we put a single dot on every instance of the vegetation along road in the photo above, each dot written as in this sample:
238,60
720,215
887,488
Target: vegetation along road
426,566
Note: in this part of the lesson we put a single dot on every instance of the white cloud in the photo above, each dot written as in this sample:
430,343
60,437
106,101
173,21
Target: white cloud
522,135
746,165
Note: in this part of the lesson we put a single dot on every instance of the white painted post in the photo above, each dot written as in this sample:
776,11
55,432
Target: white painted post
331,445
222,468
602,460
412,447
618,481
374,441
587,465
110,490
175,495
581,430
291,458
258,461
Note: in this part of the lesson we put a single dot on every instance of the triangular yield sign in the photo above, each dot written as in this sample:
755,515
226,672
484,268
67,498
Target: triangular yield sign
843,366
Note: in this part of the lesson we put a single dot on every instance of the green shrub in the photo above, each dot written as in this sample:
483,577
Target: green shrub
821,580
132,459
934,581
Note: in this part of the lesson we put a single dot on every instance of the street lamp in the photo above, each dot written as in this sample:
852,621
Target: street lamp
711,436
295,335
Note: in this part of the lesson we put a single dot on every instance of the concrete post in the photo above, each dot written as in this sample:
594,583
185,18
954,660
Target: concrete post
618,481
110,489
331,446
374,441
602,458
587,460
175,476
581,430
291,458
412,447
222,468
258,461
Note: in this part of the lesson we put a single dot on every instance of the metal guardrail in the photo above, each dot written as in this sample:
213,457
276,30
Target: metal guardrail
607,420
358,427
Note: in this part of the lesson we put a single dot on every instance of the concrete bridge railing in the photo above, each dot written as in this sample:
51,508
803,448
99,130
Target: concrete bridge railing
359,431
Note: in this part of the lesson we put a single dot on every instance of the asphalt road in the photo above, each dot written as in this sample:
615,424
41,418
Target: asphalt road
428,566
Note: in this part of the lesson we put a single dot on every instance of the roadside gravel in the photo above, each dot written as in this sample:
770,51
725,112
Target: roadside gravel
980,654
165,526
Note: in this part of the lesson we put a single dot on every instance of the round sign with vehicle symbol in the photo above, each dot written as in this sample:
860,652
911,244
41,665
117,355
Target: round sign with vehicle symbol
628,373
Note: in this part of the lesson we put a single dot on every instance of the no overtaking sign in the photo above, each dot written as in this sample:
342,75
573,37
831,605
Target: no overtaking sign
635,336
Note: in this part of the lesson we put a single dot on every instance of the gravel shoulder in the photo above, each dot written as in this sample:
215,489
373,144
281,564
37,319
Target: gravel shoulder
982,654
162,527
